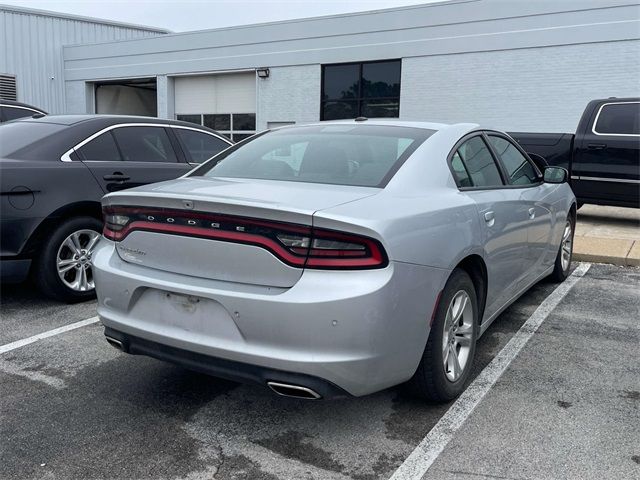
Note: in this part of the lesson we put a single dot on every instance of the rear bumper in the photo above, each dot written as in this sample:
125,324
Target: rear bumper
219,367
361,331
14,271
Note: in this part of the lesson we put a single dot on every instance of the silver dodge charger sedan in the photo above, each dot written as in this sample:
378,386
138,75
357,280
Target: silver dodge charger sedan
334,259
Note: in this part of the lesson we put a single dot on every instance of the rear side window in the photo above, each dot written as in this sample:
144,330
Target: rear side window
473,165
101,149
17,137
144,144
619,119
11,113
200,146
520,170
460,171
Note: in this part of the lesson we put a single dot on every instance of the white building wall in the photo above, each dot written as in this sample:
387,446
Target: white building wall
533,89
31,44
80,98
290,94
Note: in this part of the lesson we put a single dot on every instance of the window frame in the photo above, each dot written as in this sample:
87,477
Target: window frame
182,145
81,157
501,172
67,156
359,99
177,154
505,174
506,184
595,121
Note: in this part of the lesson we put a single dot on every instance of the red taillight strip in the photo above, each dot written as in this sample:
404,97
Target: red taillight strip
374,256
239,237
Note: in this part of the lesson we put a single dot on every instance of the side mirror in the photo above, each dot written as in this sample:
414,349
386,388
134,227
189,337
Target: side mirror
555,175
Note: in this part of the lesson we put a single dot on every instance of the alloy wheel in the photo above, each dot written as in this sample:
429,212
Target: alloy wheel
566,246
457,336
73,260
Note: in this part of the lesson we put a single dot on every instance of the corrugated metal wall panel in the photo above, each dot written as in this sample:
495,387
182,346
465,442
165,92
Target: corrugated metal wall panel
31,49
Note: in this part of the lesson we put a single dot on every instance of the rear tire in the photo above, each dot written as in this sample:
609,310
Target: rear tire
562,265
441,377
63,269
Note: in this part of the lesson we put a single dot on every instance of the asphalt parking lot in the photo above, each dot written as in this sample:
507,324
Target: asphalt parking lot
567,406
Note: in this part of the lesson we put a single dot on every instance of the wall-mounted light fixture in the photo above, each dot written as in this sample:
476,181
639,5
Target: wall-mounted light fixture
263,72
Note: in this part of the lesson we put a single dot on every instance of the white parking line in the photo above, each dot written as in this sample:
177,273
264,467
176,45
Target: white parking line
431,446
56,331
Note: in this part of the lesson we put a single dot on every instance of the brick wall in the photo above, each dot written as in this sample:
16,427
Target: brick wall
290,94
535,89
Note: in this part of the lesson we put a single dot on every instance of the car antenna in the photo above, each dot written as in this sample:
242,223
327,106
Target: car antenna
361,119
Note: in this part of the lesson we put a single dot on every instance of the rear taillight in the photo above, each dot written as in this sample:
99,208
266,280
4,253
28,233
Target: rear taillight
295,245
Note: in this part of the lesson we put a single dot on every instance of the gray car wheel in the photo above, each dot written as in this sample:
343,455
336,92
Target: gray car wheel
562,264
63,269
447,359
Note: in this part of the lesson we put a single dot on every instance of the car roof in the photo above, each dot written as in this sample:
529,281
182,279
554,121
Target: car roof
73,119
107,120
392,123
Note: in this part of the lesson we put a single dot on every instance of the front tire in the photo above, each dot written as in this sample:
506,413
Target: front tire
562,265
63,269
448,356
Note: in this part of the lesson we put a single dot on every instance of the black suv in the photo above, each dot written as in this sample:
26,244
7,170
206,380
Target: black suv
53,172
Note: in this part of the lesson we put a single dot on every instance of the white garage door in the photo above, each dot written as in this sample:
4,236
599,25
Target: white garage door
224,102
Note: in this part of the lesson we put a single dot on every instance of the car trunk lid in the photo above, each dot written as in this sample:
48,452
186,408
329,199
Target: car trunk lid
231,230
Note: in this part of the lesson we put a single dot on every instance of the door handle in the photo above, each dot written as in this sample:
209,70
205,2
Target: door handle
116,177
489,216
596,146
532,213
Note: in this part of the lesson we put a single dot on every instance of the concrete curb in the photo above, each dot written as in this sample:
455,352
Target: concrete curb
621,252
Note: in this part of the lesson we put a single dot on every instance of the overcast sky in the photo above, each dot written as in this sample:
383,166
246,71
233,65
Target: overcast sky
185,15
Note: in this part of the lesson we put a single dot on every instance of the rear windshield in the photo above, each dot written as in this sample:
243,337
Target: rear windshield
15,136
358,155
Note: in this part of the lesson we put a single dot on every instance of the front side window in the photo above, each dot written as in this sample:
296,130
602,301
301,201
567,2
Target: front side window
144,144
355,155
200,146
619,119
101,149
520,170
368,89
473,163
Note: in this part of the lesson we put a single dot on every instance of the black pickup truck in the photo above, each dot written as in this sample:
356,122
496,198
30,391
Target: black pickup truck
602,157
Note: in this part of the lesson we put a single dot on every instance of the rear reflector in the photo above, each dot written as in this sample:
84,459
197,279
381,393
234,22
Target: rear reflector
295,245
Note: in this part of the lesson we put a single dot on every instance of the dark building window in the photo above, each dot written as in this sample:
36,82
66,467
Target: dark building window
234,126
367,89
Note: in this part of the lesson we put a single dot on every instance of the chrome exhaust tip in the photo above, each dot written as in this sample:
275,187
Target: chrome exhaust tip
294,391
115,343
